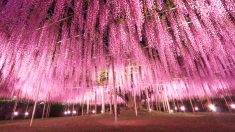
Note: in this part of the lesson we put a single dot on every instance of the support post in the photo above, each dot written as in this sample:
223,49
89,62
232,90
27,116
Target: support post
73,110
43,112
82,107
14,109
48,110
87,107
191,103
34,109
155,96
147,97
95,102
136,111
115,92
110,102
167,103
103,105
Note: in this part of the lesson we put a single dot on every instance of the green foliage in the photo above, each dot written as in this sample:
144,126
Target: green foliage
147,15
121,19
162,15
103,77
170,4
85,4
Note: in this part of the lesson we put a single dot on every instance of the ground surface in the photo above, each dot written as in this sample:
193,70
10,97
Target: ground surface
145,122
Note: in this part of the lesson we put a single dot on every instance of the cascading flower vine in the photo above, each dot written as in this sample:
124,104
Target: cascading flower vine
57,49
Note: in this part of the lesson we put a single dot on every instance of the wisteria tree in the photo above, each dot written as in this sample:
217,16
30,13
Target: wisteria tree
161,50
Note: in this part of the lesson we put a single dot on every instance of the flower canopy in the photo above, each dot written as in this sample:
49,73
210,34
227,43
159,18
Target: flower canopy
67,50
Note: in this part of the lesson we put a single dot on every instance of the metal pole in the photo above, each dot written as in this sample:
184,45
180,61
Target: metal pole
87,107
134,94
48,110
110,102
82,107
115,92
103,105
73,110
95,103
147,97
14,109
34,108
44,107
136,111
155,95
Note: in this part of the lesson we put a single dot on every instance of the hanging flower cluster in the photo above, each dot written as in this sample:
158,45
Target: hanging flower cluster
56,49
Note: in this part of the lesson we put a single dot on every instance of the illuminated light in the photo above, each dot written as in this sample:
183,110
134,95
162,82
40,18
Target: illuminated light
102,111
69,112
14,98
26,113
15,113
182,108
65,112
212,107
232,106
74,111
171,111
93,111
196,108
150,110
176,108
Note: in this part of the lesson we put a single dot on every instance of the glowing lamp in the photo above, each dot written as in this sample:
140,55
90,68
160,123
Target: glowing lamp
65,113
15,113
196,108
212,107
93,111
182,108
14,98
74,111
176,108
232,106
150,110
102,111
69,112
26,113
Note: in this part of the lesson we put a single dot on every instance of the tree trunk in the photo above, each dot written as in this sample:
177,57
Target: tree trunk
103,104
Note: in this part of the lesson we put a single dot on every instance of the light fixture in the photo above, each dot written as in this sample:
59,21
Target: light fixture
176,108
65,113
93,111
74,111
26,113
15,113
14,97
212,107
69,112
150,110
102,111
196,108
232,106
182,108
